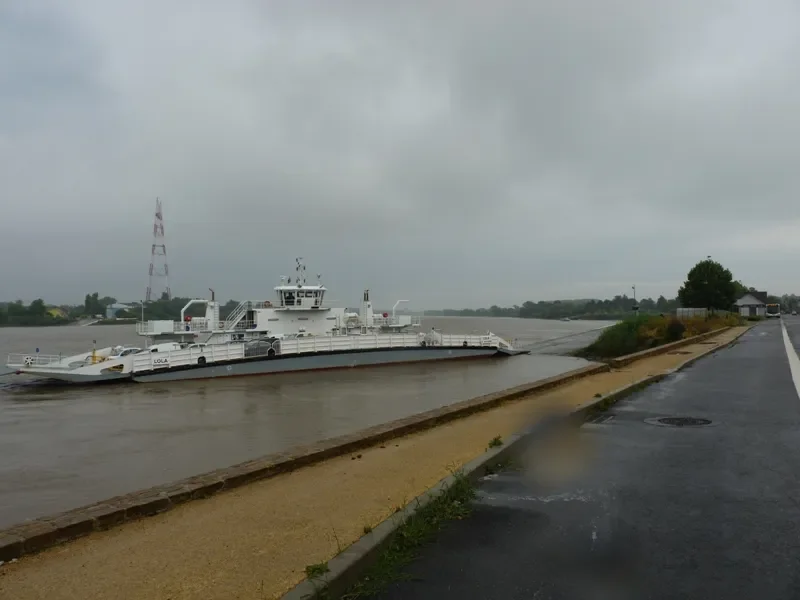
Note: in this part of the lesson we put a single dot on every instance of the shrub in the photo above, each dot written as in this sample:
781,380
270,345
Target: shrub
675,330
648,331
619,339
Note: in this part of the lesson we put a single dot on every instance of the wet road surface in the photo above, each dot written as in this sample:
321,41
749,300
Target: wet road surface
637,510
66,446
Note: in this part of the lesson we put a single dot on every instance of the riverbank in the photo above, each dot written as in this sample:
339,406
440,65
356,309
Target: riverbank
255,541
131,321
642,333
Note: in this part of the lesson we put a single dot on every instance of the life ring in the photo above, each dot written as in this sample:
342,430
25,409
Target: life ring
267,303
221,325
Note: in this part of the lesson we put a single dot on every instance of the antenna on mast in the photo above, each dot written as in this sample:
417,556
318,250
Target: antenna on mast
301,271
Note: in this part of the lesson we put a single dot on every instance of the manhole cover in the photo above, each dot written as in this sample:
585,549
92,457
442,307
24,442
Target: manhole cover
680,422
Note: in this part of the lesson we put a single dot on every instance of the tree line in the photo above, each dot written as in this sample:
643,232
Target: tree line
39,313
618,307
708,285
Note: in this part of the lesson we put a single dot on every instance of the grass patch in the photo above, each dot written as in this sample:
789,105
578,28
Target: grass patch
496,442
649,331
453,503
316,570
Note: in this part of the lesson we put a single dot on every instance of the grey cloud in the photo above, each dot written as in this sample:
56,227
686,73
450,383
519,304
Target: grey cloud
455,153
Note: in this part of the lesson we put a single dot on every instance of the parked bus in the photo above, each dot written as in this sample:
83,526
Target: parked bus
773,310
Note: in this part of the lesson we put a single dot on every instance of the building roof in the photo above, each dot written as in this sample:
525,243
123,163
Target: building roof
752,297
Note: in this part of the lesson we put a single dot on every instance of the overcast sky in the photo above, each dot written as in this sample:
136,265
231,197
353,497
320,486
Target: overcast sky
450,153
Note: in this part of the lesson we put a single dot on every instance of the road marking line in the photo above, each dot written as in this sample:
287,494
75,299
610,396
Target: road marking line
794,360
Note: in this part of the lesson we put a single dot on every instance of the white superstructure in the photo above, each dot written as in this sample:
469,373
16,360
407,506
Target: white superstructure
296,309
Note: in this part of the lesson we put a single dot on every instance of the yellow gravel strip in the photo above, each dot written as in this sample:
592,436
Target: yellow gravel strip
255,541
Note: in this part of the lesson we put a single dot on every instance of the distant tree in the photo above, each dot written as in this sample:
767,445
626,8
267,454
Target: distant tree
17,309
528,310
790,301
37,308
708,285
227,308
647,304
741,289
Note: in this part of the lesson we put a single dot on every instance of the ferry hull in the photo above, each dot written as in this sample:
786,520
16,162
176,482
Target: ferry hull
313,362
72,377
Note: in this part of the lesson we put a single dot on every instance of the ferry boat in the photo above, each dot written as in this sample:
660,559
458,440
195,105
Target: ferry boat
296,332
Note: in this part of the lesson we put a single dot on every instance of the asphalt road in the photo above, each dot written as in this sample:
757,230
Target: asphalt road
793,329
629,509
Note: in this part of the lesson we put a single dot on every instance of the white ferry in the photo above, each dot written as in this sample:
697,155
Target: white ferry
295,333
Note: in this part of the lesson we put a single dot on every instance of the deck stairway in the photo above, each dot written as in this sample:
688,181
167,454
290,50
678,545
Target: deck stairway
238,313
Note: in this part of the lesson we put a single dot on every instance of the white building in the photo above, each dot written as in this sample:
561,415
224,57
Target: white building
112,309
752,304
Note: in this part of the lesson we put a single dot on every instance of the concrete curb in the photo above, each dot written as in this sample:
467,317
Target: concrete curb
346,568
665,349
40,534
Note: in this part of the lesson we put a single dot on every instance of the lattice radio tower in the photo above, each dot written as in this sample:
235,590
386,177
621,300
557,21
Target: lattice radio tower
158,258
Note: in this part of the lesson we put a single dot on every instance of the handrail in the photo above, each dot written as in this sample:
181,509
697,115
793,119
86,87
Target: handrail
20,359
236,315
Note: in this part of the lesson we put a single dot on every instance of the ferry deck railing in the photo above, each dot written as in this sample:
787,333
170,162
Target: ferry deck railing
306,345
34,360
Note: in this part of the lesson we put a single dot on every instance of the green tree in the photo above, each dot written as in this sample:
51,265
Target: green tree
708,285
37,308
741,289
17,309
92,304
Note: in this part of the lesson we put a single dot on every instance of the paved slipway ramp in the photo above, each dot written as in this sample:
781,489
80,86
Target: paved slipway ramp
647,510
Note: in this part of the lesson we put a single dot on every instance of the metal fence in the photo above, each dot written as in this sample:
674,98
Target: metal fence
694,313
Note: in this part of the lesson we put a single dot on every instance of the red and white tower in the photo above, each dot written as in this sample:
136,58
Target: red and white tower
159,271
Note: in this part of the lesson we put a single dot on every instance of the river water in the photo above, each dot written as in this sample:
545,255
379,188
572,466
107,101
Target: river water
63,446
